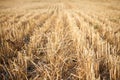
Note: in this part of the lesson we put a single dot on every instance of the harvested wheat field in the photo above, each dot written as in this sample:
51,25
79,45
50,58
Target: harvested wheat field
60,40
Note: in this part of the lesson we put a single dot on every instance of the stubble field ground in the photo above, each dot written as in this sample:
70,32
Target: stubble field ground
60,40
